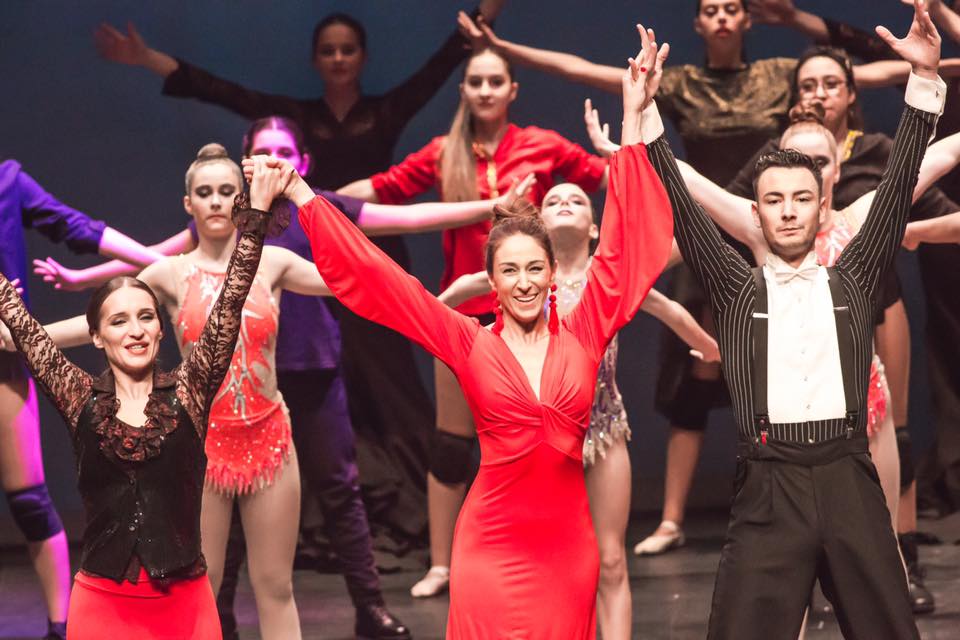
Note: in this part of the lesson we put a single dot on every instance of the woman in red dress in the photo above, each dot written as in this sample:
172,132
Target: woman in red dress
525,556
481,156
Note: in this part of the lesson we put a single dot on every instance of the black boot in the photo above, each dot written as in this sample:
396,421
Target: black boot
375,622
920,597
56,631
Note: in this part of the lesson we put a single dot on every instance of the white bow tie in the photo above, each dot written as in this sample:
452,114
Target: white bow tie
784,273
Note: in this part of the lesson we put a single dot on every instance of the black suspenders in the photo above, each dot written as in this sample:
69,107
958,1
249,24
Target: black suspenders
841,312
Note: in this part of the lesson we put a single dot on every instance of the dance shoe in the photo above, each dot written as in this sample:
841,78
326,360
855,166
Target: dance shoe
434,583
920,597
655,543
375,622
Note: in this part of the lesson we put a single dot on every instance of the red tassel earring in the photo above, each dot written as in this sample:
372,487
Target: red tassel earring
498,314
553,322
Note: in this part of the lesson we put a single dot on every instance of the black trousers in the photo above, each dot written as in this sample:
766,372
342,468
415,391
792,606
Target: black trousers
803,513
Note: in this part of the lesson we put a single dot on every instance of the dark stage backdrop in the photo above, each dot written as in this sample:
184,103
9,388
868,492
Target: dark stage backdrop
100,137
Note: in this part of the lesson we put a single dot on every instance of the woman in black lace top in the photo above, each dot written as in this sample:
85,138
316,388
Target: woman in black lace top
142,570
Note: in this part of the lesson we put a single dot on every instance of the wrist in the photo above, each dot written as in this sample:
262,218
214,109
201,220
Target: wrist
928,73
301,194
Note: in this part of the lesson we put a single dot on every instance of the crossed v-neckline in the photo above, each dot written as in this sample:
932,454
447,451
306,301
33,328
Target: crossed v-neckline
537,395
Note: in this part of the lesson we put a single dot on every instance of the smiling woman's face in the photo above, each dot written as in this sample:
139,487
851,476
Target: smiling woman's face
210,201
129,330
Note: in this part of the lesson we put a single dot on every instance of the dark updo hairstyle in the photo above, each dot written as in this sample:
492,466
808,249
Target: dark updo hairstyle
787,159
346,20
854,112
278,123
208,154
522,217
103,292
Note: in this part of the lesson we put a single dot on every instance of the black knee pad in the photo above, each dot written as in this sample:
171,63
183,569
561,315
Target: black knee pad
34,513
450,457
905,450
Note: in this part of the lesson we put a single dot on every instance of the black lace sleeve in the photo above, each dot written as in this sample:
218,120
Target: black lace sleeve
201,374
67,386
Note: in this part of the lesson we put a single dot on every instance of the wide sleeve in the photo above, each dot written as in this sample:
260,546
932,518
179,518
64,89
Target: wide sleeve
67,386
189,81
415,174
717,266
636,234
371,285
872,251
401,103
55,220
201,374
575,164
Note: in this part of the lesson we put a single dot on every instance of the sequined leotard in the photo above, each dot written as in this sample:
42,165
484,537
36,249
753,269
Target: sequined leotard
249,436
608,418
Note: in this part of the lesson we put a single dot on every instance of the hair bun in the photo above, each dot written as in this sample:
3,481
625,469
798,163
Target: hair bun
519,208
814,112
212,151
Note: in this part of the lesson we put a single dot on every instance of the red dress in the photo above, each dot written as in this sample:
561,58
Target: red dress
522,151
525,560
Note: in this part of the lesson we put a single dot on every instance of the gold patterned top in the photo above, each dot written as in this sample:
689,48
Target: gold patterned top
725,115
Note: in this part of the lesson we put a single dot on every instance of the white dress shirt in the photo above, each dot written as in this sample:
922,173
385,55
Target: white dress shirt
804,378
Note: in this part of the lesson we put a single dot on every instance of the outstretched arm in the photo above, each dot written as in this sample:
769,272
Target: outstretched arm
678,319
187,81
288,271
465,288
942,230
64,383
370,284
872,250
565,65
384,219
79,279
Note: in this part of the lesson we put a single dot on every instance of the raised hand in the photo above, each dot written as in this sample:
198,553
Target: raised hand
776,12
641,79
59,276
921,46
931,4
599,134
471,31
518,189
258,171
115,46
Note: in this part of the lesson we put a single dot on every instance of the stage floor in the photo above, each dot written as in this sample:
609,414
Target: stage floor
671,593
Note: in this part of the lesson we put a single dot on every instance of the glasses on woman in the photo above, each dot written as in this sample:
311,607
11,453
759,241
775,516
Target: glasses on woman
831,85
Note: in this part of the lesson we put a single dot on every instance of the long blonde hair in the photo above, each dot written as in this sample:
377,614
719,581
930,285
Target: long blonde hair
458,162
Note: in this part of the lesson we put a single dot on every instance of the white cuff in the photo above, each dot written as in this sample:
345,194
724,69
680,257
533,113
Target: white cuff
925,94
651,125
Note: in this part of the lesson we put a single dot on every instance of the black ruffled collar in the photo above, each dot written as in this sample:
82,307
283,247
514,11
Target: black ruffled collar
129,443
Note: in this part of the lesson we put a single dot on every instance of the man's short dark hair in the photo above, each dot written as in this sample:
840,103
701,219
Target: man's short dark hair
786,159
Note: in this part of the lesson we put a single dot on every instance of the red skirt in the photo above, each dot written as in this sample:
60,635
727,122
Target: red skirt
100,608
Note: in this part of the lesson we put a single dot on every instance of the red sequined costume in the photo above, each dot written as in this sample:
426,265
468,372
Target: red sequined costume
249,435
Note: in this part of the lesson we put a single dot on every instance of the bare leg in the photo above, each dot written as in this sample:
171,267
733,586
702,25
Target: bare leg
683,453
271,518
608,485
21,466
216,511
883,449
444,500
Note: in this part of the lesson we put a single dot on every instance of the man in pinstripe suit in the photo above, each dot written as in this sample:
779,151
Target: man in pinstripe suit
796,344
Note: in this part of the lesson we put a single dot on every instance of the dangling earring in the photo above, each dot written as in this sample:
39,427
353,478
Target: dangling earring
498,314
553,322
